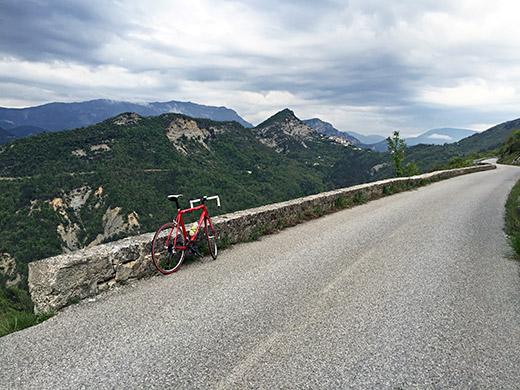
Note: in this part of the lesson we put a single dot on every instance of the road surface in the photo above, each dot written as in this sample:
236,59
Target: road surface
413,291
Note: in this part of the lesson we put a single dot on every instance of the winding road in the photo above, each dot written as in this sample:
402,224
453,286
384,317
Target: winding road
413,291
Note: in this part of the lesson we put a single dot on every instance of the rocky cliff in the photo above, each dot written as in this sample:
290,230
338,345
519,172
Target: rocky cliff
283,131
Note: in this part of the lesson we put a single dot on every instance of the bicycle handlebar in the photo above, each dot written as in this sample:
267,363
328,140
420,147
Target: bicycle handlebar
192,202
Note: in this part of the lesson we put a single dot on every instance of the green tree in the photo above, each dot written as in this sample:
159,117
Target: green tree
396,147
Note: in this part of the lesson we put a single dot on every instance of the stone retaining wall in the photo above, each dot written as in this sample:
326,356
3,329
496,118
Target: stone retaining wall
58,281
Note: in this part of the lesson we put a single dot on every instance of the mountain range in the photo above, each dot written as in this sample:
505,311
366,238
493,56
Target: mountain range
16,123
442,136
62,116
366,139
378,143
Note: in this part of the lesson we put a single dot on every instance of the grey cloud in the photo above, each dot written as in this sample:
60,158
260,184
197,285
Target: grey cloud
56,30
374,79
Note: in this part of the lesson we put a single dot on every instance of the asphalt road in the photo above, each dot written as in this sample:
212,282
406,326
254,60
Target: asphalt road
413,291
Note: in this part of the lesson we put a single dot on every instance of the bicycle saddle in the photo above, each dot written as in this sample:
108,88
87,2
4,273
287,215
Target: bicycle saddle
173,198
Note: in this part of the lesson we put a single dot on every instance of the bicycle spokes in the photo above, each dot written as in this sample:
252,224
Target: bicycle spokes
168,248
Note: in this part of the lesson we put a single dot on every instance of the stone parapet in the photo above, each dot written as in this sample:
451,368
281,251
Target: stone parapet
58,281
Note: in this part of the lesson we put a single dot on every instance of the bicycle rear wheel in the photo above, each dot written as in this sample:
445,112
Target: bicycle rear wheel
211,237
168,253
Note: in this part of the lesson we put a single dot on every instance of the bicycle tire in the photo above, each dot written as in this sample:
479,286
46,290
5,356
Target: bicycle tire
212,239
166,258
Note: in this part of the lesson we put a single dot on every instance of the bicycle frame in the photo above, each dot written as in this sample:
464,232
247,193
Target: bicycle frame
179,221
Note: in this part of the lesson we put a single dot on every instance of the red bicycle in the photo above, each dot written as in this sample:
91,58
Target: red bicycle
172,240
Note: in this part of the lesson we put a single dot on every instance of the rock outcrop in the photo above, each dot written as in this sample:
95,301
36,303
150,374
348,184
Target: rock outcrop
188,129
284,131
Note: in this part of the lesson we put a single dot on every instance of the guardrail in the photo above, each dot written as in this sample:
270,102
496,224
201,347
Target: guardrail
58,281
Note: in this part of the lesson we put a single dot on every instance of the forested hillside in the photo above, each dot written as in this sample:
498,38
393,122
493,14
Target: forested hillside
510,150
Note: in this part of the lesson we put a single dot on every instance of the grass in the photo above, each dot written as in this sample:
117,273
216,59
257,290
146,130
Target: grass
223,243
360,198
318,212
256,234
513,219
342,202
14,321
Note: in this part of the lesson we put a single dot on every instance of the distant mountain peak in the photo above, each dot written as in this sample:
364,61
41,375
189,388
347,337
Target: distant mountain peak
284,130
285,115
440,136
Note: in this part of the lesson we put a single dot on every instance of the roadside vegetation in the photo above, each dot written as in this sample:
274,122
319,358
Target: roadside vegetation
16,311
510,150
513,219
510,154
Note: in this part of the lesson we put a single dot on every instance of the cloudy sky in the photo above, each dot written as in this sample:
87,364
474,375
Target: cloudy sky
370,66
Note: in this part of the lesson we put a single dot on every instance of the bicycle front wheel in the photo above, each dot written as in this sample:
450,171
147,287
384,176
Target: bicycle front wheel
168,252
211,237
